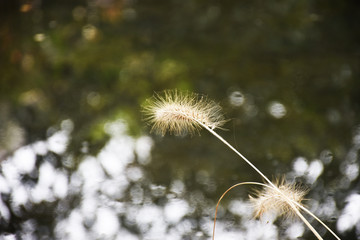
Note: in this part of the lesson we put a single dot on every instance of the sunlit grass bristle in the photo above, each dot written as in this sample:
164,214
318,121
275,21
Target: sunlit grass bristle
181,113
280,197
268,199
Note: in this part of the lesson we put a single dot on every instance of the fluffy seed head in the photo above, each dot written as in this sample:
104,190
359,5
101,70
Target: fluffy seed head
179,112
270,200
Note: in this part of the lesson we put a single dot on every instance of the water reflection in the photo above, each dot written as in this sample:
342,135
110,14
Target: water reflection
105,181
277,110
349,217
117,200
100,181
236,99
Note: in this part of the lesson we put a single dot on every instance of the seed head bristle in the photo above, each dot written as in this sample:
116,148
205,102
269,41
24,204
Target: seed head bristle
270,200
179,112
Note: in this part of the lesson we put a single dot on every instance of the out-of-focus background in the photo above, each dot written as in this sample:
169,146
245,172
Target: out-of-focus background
78,162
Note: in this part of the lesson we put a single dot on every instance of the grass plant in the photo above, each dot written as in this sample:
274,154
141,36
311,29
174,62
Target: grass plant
181,113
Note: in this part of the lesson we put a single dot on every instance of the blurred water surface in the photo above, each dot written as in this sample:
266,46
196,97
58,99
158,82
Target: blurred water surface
78,162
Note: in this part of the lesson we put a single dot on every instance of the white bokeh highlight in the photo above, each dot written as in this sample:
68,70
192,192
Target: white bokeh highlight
350,216
277,110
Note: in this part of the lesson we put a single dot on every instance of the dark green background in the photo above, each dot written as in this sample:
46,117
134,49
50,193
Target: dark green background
304,54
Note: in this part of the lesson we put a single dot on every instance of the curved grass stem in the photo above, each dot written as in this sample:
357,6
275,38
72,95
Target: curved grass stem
317,219
222,196
291,204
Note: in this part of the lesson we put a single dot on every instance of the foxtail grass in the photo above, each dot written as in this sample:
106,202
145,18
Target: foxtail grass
181,113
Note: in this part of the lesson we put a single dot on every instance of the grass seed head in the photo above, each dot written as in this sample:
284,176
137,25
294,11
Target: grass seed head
270,200
180,113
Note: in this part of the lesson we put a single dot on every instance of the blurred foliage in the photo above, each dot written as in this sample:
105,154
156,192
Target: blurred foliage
88,61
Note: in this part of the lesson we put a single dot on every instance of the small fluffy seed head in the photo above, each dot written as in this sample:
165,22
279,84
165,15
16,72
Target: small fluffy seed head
180,113
270,200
